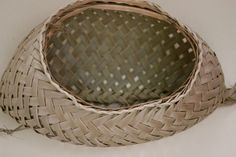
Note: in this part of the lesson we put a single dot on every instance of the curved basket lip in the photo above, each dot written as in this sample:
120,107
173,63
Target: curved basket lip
149,104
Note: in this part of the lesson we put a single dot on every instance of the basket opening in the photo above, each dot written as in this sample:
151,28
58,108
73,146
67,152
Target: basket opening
115,58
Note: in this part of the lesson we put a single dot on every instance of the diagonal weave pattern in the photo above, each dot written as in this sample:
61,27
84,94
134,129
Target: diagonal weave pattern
132,58
29,95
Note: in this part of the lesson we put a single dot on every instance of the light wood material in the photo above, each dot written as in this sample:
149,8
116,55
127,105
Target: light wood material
39,91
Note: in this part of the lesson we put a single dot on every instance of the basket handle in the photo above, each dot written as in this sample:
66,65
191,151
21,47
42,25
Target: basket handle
230,96
11,131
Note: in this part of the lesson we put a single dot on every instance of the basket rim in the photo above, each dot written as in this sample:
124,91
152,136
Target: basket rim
172,98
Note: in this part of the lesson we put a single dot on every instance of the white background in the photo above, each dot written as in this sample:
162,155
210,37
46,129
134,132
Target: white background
214,20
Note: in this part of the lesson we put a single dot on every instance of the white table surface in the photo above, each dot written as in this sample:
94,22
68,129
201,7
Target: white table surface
214,20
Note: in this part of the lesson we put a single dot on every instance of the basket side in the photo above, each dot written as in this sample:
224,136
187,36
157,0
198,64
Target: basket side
28,95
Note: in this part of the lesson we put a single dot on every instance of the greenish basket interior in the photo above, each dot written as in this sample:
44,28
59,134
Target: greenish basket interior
118,58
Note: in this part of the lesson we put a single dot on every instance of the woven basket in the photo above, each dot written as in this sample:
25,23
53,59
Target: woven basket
111,73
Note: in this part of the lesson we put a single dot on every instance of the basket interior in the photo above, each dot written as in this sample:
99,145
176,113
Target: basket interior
114,58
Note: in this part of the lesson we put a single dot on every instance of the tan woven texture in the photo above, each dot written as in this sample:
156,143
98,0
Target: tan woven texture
38,93
133,58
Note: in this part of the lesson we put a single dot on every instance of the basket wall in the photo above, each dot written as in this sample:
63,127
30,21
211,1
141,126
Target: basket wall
28,95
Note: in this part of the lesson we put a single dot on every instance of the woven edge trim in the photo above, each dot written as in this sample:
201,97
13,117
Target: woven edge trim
152,104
